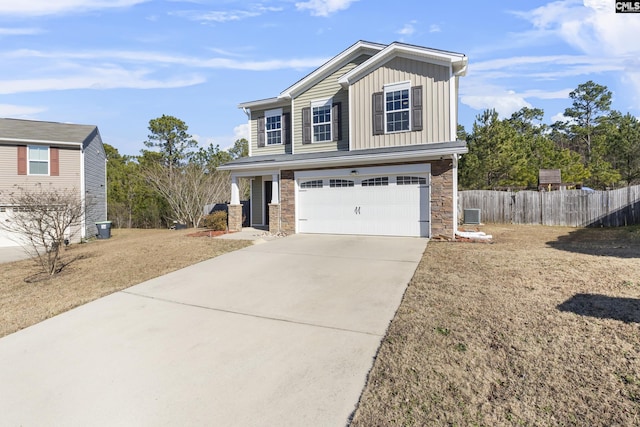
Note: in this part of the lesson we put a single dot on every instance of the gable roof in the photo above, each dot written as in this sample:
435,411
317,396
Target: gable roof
379,54
457,61
33,131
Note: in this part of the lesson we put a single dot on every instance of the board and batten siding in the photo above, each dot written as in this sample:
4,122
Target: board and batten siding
436,83
69,178
95,181
327,88
267,149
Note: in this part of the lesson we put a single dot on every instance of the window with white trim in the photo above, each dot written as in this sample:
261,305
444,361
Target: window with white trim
376,182
321,119
333,183
409,180
316,183
397,107
273,126
38,160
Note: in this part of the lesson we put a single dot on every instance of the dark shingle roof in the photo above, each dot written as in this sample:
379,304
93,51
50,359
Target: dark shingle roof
11,129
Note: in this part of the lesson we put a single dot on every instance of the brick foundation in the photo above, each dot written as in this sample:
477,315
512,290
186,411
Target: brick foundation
234,218
274,218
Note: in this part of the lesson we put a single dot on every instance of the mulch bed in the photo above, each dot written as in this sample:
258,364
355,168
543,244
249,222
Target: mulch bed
209,233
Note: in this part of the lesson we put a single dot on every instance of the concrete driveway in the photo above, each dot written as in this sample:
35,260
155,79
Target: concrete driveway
278,334
12,253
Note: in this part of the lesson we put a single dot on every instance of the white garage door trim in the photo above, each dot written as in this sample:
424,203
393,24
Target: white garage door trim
381,208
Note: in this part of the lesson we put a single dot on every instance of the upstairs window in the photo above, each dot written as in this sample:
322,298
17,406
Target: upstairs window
273,126
397,107
321,116
38,160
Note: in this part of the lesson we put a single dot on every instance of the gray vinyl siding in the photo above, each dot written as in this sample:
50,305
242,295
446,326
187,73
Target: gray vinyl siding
256,201
95,177
327,88
434,79
267,149
69,177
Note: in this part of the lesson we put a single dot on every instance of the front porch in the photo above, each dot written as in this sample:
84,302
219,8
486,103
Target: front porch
265,201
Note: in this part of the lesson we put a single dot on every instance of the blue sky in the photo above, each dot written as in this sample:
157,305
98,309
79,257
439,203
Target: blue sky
119,63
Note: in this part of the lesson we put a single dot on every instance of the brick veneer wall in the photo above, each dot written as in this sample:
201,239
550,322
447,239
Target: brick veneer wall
287,203
235,217
274,218
441,198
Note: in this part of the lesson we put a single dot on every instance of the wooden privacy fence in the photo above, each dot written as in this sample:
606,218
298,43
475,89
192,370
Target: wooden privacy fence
575,208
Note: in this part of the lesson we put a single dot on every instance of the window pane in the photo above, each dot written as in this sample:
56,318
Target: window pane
38,168
322,123
39,153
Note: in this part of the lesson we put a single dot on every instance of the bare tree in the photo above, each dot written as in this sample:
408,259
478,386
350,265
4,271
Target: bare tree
187,189
43,218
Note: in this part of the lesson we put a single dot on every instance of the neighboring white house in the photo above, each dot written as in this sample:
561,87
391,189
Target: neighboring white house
59,155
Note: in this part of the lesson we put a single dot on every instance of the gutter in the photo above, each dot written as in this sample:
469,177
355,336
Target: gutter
347,160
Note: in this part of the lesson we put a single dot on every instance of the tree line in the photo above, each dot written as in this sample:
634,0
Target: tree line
594,146
171,180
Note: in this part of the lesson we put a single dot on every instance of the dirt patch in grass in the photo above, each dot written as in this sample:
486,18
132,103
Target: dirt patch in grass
99,268
539,328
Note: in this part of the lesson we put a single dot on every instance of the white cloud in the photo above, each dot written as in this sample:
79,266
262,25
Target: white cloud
163,58
505,103
407,30
96,78
242,131
222,16
19,31
434,28
324,7
19,111
54,7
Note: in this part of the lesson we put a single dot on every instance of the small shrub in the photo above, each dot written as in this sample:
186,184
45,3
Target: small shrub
216,221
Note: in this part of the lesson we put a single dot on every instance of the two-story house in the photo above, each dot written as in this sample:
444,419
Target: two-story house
37,154
365,144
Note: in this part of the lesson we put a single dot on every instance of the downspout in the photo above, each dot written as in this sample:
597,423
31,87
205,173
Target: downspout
83,230
247,111
454,163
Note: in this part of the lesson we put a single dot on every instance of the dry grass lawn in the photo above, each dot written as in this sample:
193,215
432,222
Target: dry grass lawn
97,269
539,328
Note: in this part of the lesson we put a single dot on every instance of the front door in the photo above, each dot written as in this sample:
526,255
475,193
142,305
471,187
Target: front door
267,200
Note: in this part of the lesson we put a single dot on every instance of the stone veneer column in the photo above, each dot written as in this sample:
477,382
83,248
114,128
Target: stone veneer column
234,218
274,217
442,198
287,203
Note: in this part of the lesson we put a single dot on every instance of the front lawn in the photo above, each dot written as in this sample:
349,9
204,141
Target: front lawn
539,328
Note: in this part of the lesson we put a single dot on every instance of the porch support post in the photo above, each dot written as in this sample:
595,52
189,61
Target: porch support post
235,190
275,191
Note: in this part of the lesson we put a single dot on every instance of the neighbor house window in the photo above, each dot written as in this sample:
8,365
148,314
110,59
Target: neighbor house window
321,115
38,158
397,107
273,126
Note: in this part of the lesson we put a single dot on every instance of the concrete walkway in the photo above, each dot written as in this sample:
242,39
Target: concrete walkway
277,334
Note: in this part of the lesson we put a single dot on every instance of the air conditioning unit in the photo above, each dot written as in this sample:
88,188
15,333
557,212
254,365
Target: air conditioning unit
472,216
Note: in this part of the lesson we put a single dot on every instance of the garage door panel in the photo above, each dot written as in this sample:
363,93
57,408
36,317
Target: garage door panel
391,210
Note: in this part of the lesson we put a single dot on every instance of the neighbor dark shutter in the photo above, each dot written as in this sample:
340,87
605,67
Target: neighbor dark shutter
286,128
336,119
306,125
416,108
261,133
22,160
378,113
54,159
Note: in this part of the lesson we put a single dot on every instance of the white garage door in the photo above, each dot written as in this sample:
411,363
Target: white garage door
379,204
